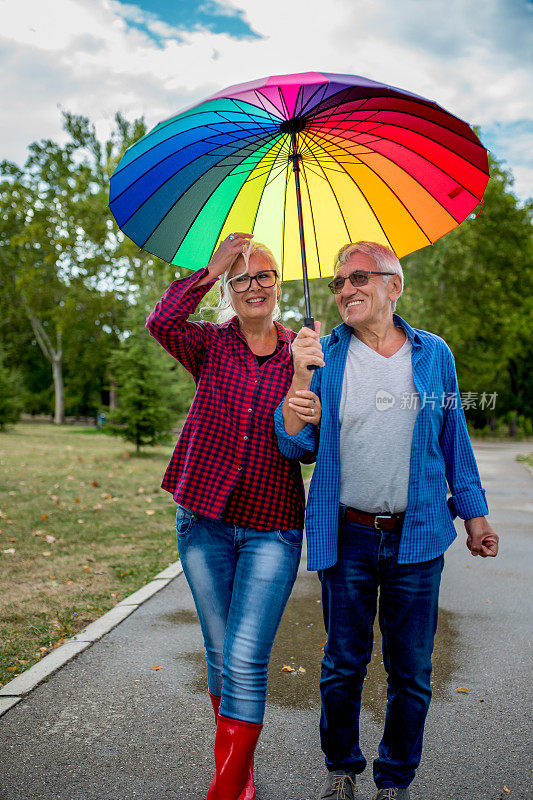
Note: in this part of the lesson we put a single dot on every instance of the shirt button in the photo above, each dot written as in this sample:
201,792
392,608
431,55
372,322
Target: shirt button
250,410
239,468
245,438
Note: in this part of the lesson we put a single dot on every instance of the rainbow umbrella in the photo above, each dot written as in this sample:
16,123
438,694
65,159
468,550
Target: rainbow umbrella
306,163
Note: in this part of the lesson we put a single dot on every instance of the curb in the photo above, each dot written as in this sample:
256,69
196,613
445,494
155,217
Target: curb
14,691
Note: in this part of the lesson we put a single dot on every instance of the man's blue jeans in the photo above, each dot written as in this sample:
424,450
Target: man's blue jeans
408,610
241,579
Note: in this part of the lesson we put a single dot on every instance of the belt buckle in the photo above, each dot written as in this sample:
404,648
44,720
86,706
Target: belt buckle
380,516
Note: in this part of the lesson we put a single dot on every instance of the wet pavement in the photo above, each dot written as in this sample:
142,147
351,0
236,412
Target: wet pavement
109,727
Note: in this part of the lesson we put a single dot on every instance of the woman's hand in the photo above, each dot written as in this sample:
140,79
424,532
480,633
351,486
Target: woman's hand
226,253
306,405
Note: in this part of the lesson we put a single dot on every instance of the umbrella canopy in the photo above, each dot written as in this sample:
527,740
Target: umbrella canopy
375,163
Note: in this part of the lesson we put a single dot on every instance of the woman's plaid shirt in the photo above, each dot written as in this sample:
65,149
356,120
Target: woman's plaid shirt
226,464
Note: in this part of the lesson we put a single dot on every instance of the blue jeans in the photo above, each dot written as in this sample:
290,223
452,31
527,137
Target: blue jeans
241,579
408,610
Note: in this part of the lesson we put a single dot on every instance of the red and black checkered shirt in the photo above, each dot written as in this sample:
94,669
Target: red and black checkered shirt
226,464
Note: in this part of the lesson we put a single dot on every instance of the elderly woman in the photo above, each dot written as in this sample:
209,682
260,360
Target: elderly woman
240,501
378,521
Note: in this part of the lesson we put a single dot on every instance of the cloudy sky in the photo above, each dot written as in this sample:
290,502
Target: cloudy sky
153,57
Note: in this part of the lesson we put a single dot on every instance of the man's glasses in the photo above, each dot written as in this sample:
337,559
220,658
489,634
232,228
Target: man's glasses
358,278
265,279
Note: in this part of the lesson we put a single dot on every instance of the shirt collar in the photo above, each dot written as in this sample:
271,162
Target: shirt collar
284,335
342,331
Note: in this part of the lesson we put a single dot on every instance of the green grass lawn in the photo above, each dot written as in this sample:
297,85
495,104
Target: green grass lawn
83,524
528,459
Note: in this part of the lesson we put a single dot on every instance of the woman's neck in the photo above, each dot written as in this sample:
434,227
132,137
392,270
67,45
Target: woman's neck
261,336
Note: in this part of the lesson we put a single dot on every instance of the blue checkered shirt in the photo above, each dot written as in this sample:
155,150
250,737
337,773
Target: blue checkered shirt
441,453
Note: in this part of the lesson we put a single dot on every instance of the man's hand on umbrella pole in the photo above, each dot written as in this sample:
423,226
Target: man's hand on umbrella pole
306,350
481,539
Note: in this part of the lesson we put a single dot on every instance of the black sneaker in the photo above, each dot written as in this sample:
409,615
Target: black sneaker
339,785
392,793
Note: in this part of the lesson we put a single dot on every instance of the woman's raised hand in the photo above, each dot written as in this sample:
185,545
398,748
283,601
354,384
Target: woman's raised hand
306,405
226,253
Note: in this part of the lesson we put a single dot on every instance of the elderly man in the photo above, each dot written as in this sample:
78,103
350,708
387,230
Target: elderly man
392,435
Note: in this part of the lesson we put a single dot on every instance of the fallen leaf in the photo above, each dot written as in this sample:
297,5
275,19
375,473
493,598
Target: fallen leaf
122,535
43,649
44,516
70,477
95,484
69,583
11,539
3,516
97,507
13,494
140,490
462,690
148,499
105,496
286,668
302,671
55,498
80,521
159,666
46,553
86,569
10,550
37,533
150,511
77,500
80,458
506,790
49,539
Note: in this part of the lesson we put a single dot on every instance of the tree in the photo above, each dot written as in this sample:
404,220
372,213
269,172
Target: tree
10,395
149,397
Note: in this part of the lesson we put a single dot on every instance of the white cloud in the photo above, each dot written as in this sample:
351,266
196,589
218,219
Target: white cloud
470,58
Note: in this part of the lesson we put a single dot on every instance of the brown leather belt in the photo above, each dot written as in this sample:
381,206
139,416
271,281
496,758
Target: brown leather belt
381,522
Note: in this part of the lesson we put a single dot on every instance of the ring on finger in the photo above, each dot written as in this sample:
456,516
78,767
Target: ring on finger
231,237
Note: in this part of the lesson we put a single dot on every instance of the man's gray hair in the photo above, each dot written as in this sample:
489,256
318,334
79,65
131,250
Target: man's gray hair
224,308
383,257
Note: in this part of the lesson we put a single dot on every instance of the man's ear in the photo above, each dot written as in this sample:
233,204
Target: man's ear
395,287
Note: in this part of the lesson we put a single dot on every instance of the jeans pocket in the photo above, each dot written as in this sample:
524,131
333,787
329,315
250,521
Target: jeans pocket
293,537
185,519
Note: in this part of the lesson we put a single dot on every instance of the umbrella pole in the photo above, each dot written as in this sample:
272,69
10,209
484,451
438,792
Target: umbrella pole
295,158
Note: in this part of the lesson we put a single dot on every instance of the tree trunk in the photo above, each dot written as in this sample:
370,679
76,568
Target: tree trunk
55,356
113,397
59,417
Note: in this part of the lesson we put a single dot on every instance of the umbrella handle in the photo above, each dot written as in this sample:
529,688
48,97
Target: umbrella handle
310,323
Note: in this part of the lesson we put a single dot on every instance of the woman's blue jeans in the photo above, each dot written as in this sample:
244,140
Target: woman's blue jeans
408,610
241,579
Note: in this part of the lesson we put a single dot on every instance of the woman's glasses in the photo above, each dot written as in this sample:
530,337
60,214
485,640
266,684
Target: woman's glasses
266,279
358,278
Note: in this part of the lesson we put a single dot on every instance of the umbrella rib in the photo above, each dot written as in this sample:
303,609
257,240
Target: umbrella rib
319,166
249,115
250,141
312,219
426,136
411,150
192,223
173,204
261,100
419,226
207,140
366,201
284,217
266,184
323,88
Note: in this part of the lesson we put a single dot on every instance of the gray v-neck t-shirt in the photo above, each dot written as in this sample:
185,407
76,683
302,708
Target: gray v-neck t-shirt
378,409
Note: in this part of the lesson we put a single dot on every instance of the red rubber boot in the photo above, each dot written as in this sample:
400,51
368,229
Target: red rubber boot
248,793
235,743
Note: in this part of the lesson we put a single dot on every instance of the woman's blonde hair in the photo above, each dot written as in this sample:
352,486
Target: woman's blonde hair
224,310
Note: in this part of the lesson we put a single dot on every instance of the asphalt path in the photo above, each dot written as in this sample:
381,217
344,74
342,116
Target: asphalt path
107,726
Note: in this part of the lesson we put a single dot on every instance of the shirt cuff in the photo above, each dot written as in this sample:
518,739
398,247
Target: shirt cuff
468,504
293,446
